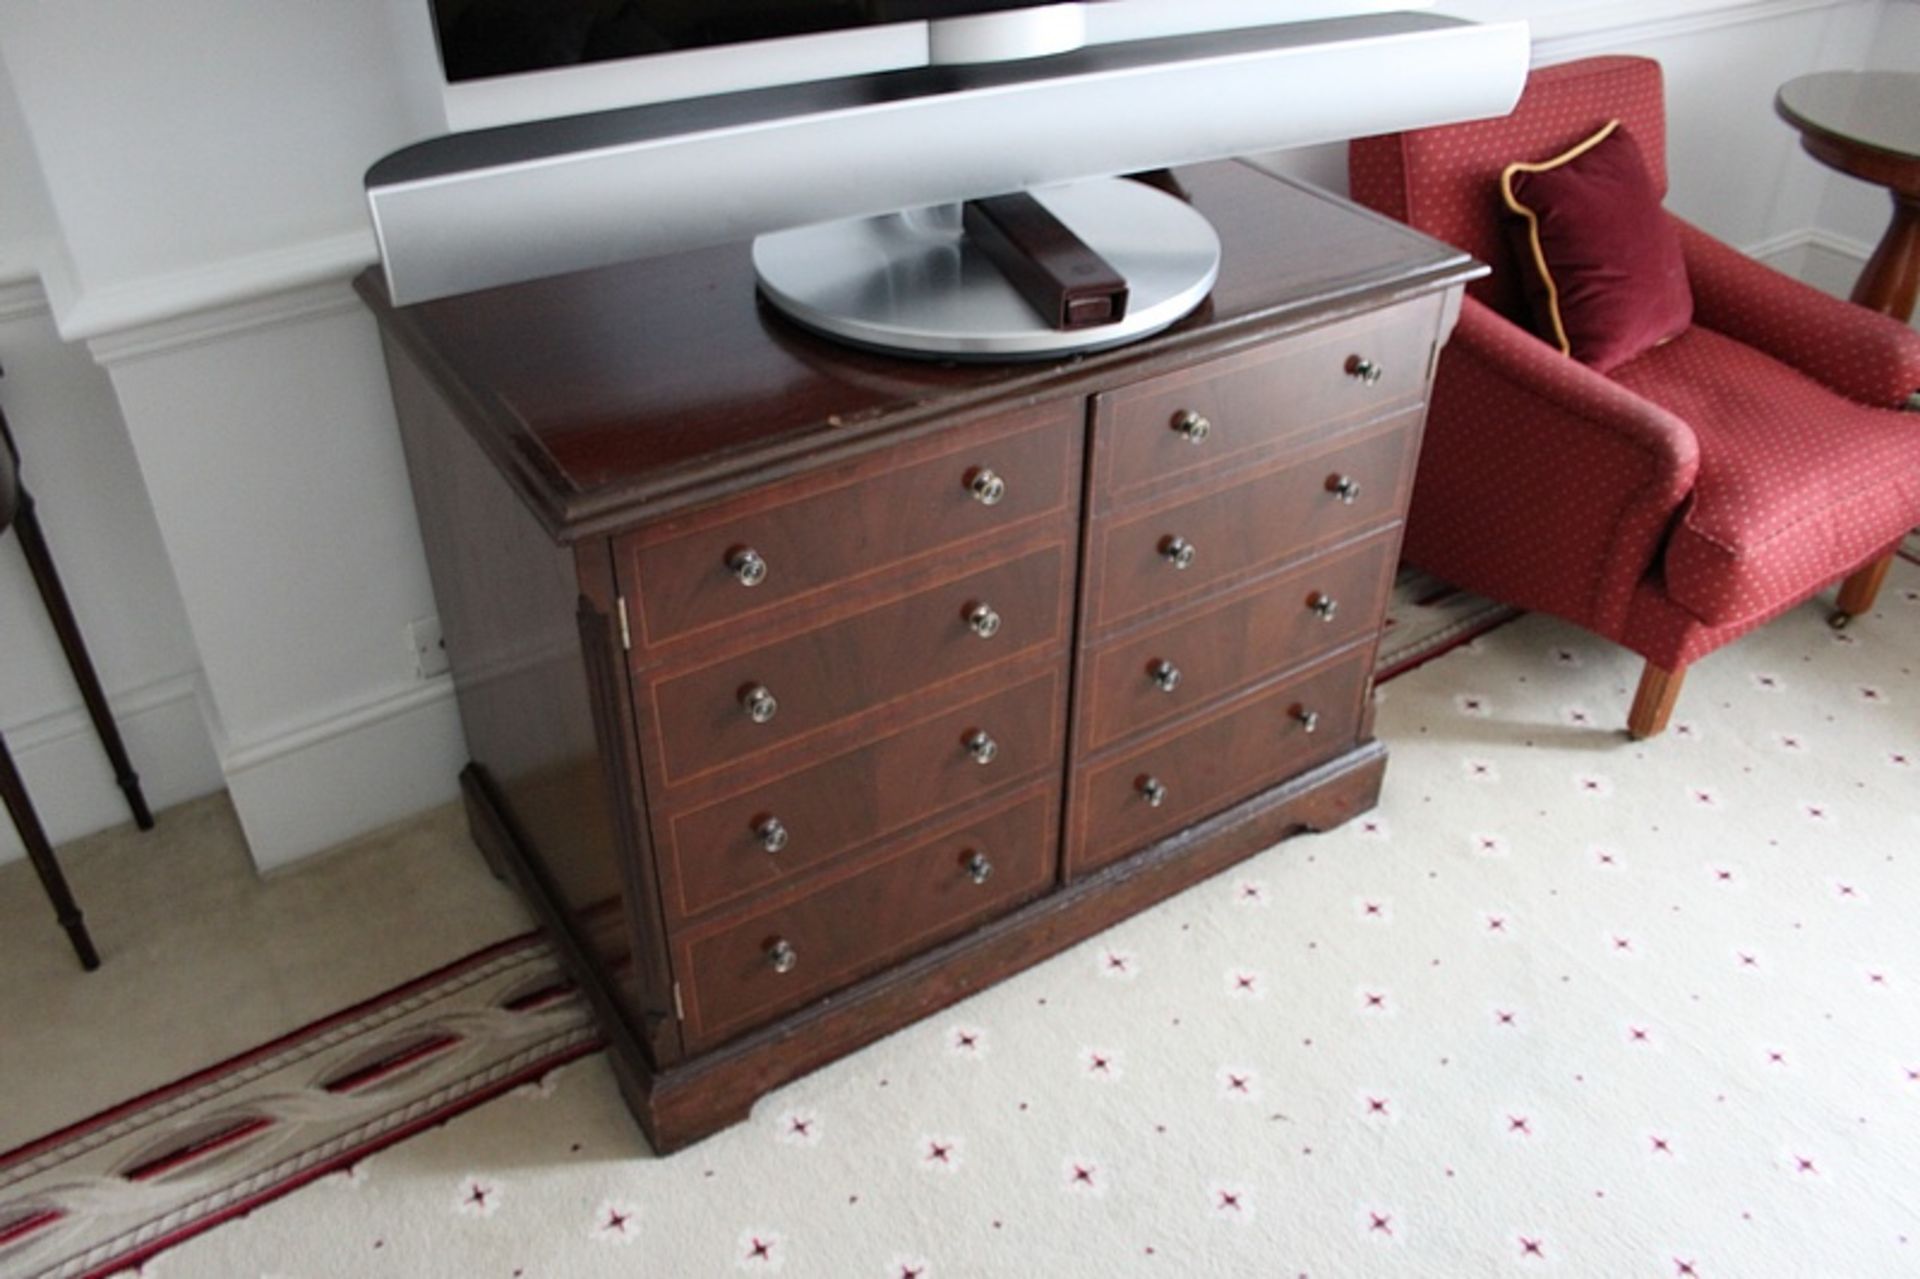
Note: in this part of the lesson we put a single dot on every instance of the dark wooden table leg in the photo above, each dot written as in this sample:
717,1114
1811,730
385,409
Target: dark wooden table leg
34,543
1891,280
40,852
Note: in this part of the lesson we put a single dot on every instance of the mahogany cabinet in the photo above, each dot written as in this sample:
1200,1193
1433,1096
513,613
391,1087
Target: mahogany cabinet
809,690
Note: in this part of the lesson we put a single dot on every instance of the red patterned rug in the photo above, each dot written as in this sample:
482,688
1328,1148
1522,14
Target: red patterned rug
106,1193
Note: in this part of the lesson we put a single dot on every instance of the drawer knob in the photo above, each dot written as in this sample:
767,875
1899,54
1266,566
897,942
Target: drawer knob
986,487
982,620
1308,720
1179,551
1344,487
1153,790
760,703
1165,675
772,833
746,565
982,747
1363,370
1192,427
1325,605
979,869
781,956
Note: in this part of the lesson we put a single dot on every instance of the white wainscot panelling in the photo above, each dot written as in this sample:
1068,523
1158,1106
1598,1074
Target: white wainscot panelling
266,436
78,463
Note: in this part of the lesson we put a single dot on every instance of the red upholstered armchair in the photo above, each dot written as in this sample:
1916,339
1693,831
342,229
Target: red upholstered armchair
1697,490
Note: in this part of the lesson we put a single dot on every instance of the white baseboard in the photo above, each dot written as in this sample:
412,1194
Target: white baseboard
72,785
325,782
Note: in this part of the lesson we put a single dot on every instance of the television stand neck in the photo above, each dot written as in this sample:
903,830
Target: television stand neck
914,283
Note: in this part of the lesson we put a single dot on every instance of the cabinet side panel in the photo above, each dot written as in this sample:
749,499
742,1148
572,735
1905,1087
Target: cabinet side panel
508,600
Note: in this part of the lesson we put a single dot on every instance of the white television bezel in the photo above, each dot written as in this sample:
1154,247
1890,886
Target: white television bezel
666,77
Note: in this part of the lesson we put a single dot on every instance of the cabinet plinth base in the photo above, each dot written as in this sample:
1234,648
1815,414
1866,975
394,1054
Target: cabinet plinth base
678,1104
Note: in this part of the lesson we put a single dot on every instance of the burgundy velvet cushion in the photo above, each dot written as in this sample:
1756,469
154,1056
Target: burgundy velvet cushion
1599,258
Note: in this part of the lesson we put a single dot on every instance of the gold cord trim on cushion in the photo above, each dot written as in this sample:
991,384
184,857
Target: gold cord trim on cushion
1533,221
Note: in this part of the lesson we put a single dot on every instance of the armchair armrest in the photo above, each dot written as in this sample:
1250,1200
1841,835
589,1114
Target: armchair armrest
1861,354
1543,483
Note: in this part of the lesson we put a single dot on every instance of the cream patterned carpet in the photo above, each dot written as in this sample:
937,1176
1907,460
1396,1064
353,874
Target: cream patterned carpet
1564,1004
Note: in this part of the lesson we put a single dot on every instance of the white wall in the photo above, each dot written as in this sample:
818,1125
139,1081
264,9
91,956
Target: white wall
78,463
201,164
189,197
1734,167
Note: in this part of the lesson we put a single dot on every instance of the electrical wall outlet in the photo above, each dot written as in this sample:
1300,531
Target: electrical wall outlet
429,650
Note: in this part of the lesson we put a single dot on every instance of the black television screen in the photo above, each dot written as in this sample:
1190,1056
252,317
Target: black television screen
484,38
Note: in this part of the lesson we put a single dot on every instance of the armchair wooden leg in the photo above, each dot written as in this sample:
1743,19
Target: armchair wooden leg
1858,592
1653,702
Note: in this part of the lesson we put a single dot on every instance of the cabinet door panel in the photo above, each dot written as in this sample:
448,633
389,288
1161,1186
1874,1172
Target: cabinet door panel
1212,765
706,719
1259,523
1322,605
820,532
721,851
746,971
1149,436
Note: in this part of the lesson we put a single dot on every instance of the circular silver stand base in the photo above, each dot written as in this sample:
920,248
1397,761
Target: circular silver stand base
911,283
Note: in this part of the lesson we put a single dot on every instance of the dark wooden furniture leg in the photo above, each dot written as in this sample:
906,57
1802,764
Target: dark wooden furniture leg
34,544
40,852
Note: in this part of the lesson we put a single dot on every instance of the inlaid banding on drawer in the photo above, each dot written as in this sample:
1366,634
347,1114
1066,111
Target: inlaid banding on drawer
744,972
1184,425
721,851
1143,680
807,534
747,704
1148,560
1126,803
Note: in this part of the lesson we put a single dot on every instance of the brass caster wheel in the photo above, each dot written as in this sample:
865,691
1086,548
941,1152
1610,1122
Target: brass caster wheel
1838,620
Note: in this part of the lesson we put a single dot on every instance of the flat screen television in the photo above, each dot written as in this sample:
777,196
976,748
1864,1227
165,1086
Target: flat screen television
510,61
755,117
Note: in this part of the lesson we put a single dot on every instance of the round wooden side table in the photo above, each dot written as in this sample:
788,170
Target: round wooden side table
1867,124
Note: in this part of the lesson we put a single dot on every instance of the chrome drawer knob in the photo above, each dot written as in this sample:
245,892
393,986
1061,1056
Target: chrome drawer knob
772,833
1363,370
986,487
1344,487
979,868
1192,427
1153,790
1308,720
1325,605
760,703
1178,551
1165,675
983,621
982,747
781,956
747,567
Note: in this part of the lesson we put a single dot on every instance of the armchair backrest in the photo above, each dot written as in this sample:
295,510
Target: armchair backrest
1446,180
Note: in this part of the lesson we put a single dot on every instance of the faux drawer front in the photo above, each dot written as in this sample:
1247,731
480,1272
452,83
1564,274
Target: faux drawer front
759,838
813,533
1144,680
1183,425
706,717
1219,762
777,959
1260,522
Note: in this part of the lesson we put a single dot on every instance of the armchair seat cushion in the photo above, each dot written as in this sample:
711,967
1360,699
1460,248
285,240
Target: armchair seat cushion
1797,484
